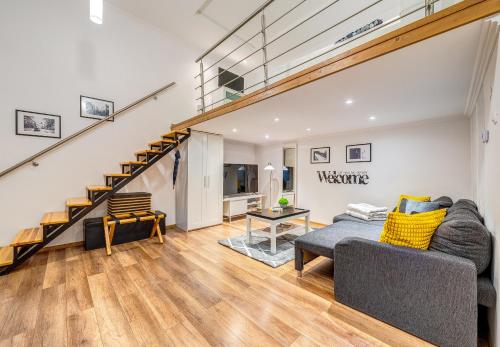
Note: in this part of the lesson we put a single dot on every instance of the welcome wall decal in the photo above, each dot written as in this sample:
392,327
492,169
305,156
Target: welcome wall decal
343,177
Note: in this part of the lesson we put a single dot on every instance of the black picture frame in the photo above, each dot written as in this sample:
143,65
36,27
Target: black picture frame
320,162
83,115
348,160
23,132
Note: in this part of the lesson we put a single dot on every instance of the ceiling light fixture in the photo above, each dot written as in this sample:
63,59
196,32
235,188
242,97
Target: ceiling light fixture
276,119
235,130
349,101
372,118
308,129
266,136
96,9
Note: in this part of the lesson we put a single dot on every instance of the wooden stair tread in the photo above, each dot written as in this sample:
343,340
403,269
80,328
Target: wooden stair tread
28,237
158,143
59,217
98,188
134,163
118,175
148,151
173,133
6,256
78,202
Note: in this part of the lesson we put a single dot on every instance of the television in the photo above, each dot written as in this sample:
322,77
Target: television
241,179
233,81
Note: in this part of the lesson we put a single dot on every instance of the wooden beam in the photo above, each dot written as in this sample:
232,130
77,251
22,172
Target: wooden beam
450,18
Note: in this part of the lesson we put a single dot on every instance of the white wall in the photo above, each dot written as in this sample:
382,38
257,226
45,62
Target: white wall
486,169
52,54
236,152
422,158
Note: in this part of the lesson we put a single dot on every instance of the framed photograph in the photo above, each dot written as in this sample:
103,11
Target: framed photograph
38,124
358,153
96,108
320,155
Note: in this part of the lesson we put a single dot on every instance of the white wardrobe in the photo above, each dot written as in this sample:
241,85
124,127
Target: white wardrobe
199,187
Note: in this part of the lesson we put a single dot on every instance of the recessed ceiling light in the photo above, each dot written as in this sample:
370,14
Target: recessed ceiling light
245,62
372,118
349,101
276,119
235,130
308,129
266,136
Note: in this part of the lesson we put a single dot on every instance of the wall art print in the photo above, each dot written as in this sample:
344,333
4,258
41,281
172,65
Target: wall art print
38,124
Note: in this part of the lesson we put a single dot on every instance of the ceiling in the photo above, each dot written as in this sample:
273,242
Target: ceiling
424,81
180,17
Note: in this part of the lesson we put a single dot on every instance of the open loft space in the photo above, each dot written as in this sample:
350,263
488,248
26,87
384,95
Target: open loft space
249,173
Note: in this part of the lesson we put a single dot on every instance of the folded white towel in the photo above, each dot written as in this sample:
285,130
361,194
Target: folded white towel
365,208
379,216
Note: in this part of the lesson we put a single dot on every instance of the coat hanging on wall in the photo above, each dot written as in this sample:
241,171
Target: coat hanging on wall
176,166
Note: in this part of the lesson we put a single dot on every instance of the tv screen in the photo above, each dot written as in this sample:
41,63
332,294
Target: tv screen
240,178
237,83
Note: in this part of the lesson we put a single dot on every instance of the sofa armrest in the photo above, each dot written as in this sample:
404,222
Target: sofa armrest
426,293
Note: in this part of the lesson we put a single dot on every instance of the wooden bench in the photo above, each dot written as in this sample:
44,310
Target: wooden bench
126,208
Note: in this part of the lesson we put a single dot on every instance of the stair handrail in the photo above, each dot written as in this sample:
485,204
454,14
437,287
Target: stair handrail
84,130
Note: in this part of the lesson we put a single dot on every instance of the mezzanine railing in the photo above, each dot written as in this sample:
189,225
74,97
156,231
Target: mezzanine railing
283,37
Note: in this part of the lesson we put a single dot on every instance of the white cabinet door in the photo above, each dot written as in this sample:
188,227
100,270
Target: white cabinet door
196,184
213,157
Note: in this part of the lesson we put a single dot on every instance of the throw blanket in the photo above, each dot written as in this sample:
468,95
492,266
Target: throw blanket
365,208
370,217
367,212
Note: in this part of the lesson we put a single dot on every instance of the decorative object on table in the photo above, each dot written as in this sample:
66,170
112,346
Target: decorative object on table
361,153
320,155
361,30
38,124
176,166
96,108
270,168
283,202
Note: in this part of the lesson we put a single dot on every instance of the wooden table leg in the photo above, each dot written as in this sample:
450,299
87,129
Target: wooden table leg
106,235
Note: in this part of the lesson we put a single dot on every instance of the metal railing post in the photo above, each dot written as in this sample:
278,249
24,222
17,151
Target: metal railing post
202,89
264,47
429,7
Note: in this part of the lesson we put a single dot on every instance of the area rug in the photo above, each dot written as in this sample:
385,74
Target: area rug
260,248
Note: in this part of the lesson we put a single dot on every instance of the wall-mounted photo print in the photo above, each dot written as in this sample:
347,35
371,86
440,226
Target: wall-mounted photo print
96,108
38,124
358,153
320,155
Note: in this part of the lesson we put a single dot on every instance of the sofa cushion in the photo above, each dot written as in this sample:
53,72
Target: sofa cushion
444,202
411,206
463,234
466,208
411,230
323,241
411,197
486,294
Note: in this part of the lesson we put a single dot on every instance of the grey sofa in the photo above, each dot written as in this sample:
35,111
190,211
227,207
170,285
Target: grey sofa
432,294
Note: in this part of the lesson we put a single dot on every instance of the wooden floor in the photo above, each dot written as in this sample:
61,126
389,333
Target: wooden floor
190,291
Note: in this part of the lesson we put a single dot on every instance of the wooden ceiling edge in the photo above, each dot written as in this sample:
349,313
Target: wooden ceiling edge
450,18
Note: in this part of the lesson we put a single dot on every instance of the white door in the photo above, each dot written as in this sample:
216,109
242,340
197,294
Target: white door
196,184
213,156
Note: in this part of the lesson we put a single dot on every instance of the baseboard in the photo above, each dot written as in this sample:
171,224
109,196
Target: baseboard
80,243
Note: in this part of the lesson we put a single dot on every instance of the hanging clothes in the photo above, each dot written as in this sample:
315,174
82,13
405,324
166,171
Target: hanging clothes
176,165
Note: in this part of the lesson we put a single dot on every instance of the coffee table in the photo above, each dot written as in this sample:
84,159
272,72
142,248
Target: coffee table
274,219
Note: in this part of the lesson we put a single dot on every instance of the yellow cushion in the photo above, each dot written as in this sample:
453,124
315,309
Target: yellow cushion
411,197
411,230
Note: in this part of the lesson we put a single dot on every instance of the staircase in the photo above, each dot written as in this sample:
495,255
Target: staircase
29,241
